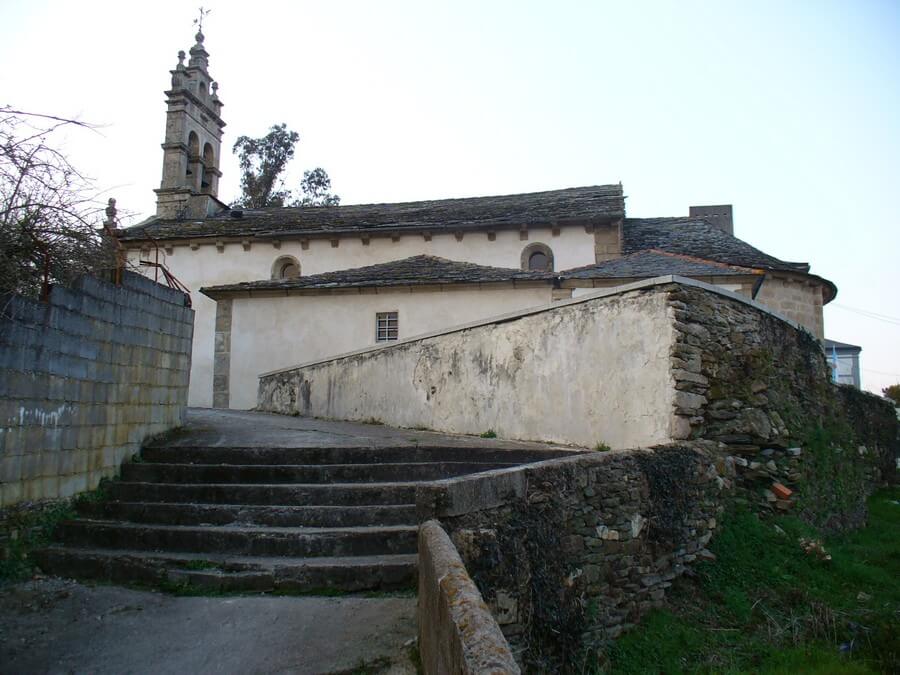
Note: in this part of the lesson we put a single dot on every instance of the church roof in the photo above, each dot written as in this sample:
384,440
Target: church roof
588,204
655,263
420,270
698,238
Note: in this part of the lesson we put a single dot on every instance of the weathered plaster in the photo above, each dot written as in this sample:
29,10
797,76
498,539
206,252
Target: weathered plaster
583,372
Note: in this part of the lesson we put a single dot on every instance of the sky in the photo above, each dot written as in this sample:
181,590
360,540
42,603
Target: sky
790,111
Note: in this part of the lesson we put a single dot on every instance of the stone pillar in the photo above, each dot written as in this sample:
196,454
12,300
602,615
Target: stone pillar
222,355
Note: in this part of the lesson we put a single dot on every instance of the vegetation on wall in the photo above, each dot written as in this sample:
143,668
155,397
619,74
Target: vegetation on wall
772,605
893,392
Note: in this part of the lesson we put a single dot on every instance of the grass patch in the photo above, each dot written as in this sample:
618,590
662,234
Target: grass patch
602,447
766,606
490,433
30,530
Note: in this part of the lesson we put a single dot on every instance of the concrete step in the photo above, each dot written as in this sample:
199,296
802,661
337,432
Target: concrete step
337,494
243,514
241,541
300,473
208,572
356,455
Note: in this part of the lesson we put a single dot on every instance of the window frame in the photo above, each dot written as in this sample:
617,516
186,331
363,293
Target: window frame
537,247
385,331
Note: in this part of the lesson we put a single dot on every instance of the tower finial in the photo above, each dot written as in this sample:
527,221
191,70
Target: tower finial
199,23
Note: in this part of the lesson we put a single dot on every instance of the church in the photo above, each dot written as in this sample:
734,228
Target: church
277,287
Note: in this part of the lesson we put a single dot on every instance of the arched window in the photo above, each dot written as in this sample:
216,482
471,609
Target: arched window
537,258
286,267
193,151
209,160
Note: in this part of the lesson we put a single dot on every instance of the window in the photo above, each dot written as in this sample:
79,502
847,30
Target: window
286,267
385,326
537,258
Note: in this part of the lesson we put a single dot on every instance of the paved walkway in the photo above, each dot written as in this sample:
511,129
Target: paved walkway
60,626
236,428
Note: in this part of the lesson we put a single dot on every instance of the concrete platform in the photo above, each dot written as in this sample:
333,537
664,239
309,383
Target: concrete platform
236,428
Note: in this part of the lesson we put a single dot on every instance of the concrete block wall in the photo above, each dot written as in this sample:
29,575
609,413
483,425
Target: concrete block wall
84,378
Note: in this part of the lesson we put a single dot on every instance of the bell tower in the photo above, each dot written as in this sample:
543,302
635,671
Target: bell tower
190,174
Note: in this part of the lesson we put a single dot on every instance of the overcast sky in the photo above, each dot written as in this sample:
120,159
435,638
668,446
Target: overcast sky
790,111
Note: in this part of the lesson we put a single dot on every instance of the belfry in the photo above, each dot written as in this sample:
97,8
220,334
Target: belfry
190,176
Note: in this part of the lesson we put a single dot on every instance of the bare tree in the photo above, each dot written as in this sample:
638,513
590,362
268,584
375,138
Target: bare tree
48,209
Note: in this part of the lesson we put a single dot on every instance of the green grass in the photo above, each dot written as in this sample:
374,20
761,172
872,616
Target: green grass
34,530
490,433
766,606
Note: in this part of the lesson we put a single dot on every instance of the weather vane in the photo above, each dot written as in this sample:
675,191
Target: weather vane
199,21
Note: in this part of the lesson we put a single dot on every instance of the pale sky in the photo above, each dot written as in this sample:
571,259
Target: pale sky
790,111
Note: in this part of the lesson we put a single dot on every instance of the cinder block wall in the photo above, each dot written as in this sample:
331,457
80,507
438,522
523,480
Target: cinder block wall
84,379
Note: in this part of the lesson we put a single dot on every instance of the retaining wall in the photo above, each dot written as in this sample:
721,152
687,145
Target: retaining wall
457,633
579,372
84,378
568,553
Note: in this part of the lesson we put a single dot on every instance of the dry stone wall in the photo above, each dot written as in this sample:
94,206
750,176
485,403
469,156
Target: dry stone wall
759,387
84,378
568,553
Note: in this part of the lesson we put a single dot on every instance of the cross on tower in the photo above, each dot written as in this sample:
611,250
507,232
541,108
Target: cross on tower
199,21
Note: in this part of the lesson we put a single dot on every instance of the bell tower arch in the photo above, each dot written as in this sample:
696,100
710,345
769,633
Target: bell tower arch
191,150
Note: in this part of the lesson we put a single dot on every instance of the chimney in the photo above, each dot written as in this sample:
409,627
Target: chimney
721,216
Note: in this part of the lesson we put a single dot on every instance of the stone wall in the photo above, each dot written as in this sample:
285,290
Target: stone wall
568,553
84,379
585,371
457,633
797,298
761,390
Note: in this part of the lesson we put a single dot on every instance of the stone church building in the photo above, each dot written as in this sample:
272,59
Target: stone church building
277,287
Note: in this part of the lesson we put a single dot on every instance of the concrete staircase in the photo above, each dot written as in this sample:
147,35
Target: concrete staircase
264,518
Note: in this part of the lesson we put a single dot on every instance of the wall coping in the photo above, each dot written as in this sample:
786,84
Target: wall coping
457,632
530,311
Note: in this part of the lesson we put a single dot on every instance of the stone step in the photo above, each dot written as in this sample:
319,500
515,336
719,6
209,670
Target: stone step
242,514
208,572
300,473
349,455
241,541
336,494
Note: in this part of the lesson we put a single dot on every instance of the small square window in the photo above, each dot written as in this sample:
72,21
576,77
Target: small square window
385,326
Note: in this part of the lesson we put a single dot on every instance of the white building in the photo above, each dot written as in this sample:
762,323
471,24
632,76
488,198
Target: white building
276,287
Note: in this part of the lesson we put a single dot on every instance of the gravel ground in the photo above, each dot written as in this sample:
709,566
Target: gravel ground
59,626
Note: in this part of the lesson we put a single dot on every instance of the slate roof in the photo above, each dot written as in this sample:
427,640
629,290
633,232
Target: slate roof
654,263
696,237
505,211
418,270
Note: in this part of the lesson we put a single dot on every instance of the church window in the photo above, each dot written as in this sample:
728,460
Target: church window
537,258
286,267
386,326
209,162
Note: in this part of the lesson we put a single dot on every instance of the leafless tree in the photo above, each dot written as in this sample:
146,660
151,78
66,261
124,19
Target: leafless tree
48,210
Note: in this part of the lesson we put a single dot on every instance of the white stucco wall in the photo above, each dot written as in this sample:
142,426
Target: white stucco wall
269,333
579,372
207,266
